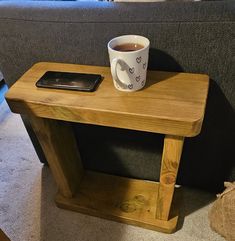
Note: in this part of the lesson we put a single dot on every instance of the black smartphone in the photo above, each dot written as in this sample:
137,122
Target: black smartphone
69,81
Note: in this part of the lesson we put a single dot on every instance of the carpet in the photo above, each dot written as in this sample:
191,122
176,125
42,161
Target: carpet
28,211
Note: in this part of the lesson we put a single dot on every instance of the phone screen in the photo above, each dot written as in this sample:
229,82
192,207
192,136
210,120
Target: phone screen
71,81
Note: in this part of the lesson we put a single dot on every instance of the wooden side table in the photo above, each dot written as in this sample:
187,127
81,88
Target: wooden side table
3,236
172,104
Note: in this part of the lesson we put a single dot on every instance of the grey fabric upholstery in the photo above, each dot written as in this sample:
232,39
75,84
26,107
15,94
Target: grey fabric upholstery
193,37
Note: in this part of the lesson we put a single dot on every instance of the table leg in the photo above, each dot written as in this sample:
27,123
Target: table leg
172,150
60,148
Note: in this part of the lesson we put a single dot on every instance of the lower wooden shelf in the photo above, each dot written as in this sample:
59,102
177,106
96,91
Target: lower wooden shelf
121,199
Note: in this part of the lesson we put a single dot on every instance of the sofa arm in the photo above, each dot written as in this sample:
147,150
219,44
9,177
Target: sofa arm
78,32
185,36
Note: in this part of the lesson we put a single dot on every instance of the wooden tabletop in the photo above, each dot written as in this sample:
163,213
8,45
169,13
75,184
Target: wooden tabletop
170,103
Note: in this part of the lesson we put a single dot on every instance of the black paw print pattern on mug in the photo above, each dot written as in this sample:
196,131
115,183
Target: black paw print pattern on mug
130,86
142,83
137,78
144,65
132,70
138,59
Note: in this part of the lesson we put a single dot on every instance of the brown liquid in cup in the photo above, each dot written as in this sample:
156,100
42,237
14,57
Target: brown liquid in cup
128,47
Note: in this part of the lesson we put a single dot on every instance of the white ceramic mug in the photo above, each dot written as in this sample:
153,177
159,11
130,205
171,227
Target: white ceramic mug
129,68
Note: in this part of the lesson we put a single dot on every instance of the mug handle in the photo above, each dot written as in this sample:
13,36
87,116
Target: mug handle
114,63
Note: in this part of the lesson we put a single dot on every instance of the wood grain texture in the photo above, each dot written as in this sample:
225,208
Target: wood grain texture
60,148
3,236
172,150
125,200
171,103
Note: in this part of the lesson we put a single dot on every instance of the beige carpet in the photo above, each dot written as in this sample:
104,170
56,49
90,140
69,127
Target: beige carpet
28,213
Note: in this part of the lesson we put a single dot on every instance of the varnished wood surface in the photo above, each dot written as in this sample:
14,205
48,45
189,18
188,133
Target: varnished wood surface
173,146
3,236
60,148
125,200
171,103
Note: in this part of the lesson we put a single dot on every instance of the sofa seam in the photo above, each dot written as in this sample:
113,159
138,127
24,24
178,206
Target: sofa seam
114,22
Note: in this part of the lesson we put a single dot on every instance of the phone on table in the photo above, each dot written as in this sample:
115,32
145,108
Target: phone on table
69,81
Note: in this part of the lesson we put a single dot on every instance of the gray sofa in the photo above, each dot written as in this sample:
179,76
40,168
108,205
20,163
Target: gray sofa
195,37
